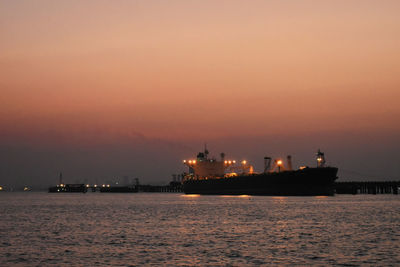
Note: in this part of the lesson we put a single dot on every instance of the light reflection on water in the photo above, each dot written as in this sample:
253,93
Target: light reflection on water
233,196
190,195
175,229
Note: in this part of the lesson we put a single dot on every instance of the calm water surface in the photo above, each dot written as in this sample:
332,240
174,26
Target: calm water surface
94,229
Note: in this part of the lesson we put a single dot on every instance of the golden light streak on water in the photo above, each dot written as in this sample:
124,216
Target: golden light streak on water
241,196
279,198
191,195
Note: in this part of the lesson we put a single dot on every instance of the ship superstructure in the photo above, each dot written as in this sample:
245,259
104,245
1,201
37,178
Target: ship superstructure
204,167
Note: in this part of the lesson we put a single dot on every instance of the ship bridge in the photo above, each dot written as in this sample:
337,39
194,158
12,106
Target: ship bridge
204,167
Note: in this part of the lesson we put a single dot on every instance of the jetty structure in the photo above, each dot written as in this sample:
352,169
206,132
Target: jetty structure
61,187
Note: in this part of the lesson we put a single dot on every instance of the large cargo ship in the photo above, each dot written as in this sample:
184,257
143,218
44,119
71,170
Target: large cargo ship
228,177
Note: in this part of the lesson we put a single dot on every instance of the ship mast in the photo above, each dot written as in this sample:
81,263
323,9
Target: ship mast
205,151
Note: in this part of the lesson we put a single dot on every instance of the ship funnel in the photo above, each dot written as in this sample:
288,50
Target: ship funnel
289,163
320,159
267,164
222,156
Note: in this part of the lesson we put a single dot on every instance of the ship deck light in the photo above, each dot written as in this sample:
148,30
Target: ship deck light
279,162
244,162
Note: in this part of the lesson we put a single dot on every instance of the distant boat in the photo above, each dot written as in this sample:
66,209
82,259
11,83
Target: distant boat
225,177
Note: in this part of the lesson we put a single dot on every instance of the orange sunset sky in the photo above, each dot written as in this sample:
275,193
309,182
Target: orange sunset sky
122,83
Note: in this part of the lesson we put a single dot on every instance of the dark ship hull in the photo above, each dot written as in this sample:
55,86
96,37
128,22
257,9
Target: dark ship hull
304,182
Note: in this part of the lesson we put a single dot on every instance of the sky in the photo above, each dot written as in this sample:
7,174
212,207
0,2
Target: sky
105,89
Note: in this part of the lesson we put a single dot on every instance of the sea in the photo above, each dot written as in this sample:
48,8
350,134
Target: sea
173,229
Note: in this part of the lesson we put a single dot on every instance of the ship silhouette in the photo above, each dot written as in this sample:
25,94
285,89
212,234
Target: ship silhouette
227,177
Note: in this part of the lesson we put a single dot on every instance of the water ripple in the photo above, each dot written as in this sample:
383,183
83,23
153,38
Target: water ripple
40,229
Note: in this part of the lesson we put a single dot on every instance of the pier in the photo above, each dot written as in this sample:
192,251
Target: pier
390,187
172,187
354,188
